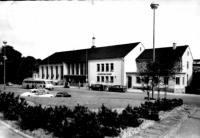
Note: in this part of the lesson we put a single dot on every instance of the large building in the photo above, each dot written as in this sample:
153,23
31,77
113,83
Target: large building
102,65
182,78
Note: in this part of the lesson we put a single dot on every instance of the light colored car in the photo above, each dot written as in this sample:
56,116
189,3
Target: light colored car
37,93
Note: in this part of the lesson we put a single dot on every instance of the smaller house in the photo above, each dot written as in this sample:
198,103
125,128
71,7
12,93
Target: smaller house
35,75
182,79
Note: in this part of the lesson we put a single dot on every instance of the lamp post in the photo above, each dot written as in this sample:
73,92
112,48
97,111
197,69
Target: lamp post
4,42
153,6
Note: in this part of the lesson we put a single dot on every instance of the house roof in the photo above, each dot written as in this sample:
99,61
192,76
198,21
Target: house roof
147,54
115,51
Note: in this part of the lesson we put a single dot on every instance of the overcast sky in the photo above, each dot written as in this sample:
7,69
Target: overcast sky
41,28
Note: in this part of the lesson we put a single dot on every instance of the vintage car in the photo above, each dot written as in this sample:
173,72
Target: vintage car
62,94
37,93
117,88
9,84
98,87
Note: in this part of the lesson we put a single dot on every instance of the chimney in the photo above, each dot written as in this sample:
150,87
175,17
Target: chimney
174,46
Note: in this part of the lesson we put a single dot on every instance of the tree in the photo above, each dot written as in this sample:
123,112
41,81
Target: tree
27,66
152,74
13,59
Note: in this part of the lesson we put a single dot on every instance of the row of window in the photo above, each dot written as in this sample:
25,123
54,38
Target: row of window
52,75
106,79
108,67
166,80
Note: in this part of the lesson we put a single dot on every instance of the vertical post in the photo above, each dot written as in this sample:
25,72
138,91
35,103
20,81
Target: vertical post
4,42
153,6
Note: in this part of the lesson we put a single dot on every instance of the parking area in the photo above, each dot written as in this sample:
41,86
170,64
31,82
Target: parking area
90,98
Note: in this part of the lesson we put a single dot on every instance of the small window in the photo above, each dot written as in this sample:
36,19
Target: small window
178,80
107,67
183,80
138,80
102,78
107,79
111,79
98,79
188,53
98,67
166,80
187,65
111,67
102,67
140,48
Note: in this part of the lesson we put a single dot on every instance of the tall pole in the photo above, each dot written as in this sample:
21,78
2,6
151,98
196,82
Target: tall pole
153,6
4,42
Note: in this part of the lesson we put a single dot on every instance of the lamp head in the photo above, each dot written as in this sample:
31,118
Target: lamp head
4,42
154,5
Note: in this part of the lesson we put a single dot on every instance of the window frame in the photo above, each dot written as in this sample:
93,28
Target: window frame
177,80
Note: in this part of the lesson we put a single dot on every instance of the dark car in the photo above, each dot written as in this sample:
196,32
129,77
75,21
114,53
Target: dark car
117,88
63,94
98,87
9,84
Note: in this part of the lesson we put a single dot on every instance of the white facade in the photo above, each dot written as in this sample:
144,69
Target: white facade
120,65
181,80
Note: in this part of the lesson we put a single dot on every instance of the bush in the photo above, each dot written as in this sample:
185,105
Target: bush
80,122
130,117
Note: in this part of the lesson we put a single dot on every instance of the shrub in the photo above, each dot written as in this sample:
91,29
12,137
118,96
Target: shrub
130,117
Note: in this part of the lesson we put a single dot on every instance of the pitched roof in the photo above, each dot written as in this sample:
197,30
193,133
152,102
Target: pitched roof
147,54
107,52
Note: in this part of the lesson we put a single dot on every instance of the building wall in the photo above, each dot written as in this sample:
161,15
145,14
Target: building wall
187,59
49,71
130,62
117,73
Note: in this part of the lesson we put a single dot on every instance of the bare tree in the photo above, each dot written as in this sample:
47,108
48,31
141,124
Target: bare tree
152,74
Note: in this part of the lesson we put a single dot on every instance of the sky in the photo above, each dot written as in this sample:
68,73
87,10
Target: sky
41,28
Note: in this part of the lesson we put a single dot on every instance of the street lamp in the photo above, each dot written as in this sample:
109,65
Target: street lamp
153,6
4,42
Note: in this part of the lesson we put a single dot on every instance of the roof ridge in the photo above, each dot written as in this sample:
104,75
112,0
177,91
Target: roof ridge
167,47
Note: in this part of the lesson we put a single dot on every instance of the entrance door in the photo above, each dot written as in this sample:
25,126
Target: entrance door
129,82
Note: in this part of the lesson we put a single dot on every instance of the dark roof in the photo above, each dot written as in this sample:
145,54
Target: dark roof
107,52
147,54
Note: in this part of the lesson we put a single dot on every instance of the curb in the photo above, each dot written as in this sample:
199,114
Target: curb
15,130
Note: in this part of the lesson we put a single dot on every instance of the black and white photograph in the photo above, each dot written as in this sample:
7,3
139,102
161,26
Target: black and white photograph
100,69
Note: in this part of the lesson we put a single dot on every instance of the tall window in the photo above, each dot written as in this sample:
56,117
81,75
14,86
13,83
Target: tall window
52,72
47,72
98,67
61,72
42,73
81,68
183,80
57,72
107,79
107,67
72,69
187,65
111,79
188,53
77,69
98,79
111,67
102,78
178,80
138,80
166,80
102,67
68,69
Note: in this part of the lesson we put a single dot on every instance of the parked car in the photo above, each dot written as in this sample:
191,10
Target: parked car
118,88
9,84
62,94
98,87
37,93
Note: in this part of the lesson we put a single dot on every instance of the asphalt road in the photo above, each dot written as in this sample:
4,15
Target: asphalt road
115,98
